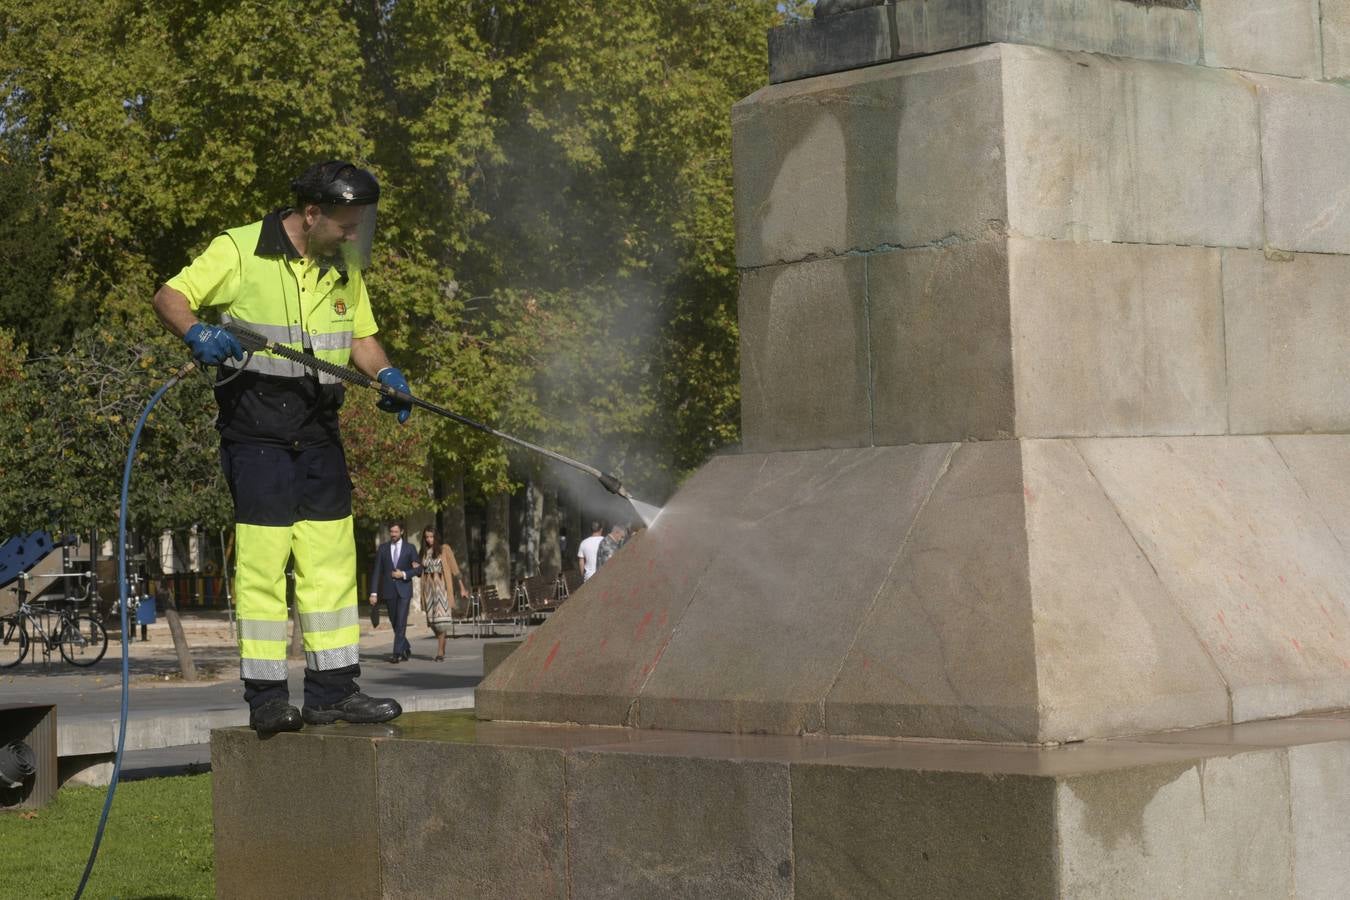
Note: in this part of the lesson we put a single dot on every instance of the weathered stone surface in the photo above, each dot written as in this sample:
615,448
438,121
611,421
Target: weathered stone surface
941,350
849,40
777,607
1279,37
1251,810
593,655
1319,794
756,529
947,647
274,806
1167,30
496,652
1116,339
1288,341
1219,828
878,832
1319,462
1020,590
677,826
1252,564
1288,732
847,161
804,366
1335,39
443,802
1114,654
1109,149
1305,126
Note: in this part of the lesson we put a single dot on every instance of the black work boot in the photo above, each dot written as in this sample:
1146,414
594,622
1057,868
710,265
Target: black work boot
356,707
273,716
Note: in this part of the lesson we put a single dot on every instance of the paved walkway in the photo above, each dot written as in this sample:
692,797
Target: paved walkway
166,711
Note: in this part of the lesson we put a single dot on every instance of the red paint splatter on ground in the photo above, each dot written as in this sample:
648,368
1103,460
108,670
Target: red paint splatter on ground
1221,484
642,626
1224,623
603,642
1297,645
551,655
867,663
1345,663
1324,610
1282,580
1029,494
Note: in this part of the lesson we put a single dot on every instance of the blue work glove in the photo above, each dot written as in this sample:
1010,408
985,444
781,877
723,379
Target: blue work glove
394,378
212,345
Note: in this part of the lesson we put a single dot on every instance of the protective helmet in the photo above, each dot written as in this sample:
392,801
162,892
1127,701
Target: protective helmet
338,183
337,187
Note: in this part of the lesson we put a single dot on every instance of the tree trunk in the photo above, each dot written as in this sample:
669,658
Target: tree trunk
227,551
532,516
550,552
180,644
453,529
297,648
497,565
581,529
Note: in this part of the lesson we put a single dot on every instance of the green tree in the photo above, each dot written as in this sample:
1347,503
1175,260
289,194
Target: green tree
65,425
555,248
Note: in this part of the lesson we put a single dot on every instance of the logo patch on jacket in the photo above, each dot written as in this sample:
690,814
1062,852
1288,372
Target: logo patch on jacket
340,306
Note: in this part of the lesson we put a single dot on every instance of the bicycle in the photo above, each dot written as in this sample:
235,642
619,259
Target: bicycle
81,638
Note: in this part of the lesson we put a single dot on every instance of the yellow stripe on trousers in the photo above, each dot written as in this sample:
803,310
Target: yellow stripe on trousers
325,592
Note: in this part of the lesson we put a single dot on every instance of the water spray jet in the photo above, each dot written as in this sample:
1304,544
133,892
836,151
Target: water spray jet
251,341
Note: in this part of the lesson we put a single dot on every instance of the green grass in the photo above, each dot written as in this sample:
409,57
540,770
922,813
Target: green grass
157,843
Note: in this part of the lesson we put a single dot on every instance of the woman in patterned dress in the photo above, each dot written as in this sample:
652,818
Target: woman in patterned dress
441,581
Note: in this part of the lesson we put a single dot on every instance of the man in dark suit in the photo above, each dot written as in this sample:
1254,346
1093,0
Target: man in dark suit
391,581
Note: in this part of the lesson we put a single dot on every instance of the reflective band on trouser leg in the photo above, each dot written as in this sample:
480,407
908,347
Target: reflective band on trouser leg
325,589
261,552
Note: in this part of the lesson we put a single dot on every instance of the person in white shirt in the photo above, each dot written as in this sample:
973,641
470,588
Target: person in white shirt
587,552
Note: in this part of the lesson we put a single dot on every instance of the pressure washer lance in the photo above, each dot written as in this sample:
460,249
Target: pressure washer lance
252,342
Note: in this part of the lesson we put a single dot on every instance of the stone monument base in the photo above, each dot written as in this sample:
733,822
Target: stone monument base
441,805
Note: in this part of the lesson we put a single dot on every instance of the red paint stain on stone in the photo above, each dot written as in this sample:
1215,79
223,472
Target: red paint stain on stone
1282,580
551,655
1224,623
642,626
603,642
1029,494
1324,611
1297,645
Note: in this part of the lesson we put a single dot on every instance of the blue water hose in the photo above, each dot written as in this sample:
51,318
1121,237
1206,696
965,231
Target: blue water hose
122,609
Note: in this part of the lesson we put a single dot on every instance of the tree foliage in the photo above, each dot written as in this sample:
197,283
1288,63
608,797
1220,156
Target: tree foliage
555,245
